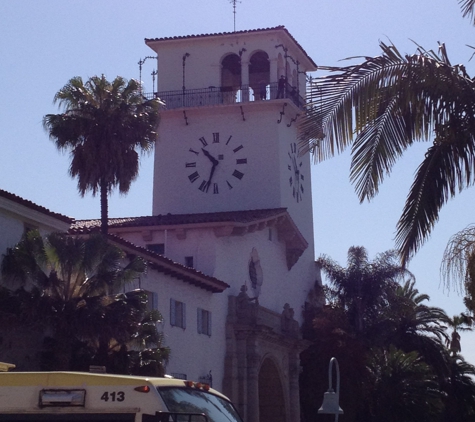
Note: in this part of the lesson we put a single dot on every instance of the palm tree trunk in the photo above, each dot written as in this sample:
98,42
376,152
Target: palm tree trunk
104,208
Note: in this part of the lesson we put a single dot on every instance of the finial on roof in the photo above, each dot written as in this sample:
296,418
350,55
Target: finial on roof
233,2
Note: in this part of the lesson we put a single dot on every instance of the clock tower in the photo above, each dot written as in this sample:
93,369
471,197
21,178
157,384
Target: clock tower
232,199
229,128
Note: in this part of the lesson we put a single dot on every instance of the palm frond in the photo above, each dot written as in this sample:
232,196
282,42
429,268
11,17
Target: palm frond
380,108
468,9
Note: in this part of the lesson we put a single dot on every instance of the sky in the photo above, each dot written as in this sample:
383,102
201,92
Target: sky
45,43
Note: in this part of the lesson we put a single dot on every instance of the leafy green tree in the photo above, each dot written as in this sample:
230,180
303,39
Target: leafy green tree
395,365
410,325
102,127
457,323
458,264
360,287
68,289
403,388
380,107
459,388
147,356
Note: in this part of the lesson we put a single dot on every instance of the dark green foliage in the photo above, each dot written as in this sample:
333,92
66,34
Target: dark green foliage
382,106
102,127
65,286
390,345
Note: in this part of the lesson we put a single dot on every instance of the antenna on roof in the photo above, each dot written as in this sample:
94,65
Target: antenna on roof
233,2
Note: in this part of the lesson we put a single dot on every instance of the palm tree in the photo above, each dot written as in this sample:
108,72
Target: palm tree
380,107
68,288
411,325
360,288
458,263
458,323
103,125
403,388
459,389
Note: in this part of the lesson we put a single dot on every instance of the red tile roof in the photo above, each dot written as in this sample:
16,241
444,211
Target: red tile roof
248,31
33,206
171,268
225,224
248,216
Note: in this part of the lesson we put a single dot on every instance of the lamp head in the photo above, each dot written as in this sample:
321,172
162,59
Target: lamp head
331,403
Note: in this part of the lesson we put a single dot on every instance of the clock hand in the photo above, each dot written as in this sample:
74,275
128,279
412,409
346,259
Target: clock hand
211,173
212,159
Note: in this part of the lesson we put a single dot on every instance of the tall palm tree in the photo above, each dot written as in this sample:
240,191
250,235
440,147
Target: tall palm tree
380,107
69,288
457,323
360,288
102,127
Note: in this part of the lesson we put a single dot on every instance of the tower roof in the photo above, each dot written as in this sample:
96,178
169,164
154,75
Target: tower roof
281,28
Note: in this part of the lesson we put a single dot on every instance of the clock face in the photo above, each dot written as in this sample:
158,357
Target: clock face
296,177
216,163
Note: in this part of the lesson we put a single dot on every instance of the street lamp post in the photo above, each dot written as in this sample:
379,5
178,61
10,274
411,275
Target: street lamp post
331,398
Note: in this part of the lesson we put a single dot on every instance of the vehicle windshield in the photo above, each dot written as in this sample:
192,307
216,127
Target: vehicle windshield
189,400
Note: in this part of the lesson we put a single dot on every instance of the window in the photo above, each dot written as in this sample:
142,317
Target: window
204,322
152,301
157,248
189,261
177,313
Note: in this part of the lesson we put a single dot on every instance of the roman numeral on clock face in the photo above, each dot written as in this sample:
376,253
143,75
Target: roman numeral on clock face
215,137
204,186
193,176
203,141
237,174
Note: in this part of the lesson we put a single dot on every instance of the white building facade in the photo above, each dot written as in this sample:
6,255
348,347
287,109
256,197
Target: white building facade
230,240
232,201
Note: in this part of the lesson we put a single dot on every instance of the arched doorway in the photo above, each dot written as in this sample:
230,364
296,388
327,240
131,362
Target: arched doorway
271,395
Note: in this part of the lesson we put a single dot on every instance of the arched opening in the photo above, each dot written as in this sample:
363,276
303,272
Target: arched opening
259,75
271,395
230,77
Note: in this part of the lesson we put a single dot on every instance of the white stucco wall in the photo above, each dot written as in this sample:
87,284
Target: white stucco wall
203,65
192,353
15,217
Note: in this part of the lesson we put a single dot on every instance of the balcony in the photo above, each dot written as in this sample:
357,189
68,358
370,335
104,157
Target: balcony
224,95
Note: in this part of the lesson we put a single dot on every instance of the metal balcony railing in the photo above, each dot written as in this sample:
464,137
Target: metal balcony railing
225,95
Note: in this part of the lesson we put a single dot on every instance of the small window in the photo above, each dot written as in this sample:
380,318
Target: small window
177,313
204,322
157,248
152,301
189,262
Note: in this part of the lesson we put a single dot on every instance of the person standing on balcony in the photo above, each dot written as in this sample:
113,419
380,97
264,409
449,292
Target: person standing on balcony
281,87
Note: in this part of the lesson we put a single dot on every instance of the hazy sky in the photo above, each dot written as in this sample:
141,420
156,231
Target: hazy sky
45,43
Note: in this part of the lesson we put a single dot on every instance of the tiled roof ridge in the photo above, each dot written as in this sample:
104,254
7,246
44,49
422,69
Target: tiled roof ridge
165,260
30,204
214,34
208,217
244,31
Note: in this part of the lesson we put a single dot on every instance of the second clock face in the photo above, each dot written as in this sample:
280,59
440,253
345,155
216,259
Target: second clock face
296,178
215,163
